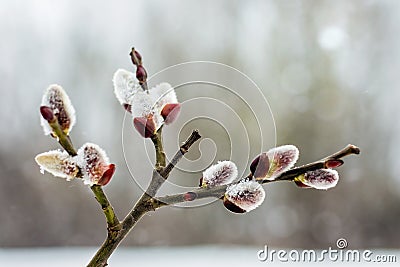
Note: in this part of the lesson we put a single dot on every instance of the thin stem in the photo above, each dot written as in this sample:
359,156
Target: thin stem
158,146
112,220
63,138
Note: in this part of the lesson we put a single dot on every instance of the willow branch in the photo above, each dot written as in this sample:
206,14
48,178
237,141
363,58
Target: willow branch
158,146
111,218
147,201
289,175
66,143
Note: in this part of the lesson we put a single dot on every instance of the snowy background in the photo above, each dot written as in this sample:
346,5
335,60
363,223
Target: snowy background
329,69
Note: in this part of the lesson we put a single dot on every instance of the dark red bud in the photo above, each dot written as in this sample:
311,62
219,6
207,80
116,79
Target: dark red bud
145,126
333,163
47,113
135,57
170,112
141,74
189,196
128,107
232,207
259,167
300,184
107,175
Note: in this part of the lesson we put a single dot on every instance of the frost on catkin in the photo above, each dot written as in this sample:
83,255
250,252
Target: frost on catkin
319,179
224,172
93,162
58,101
244,196
58,163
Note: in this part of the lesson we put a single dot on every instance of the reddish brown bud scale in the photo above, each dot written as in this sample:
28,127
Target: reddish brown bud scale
232,207
141,74
47,113
170,112
189,196
254,164
107,175
128,107
135,57
139,57
333,163
259,167
145,126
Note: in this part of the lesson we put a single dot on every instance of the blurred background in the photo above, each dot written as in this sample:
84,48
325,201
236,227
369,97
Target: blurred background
329,70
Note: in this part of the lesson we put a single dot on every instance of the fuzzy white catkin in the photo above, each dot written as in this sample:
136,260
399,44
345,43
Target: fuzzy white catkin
143,106
93,162
58,163
125,86
224,172
163,94
143,103
321,179
56,98
247,195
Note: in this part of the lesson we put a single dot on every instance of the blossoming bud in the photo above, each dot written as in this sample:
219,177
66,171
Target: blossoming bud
281,158
224,172
244,196
170,112
259,167
58,163
318,179
107,175
145,126
94,164
125,86
56,100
